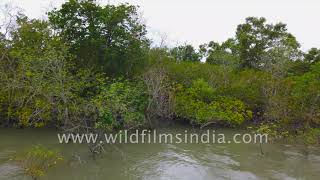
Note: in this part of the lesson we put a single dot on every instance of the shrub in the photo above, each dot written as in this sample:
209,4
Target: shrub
37,161
121,104
202,105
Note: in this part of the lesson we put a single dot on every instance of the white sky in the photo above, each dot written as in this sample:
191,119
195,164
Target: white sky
200,21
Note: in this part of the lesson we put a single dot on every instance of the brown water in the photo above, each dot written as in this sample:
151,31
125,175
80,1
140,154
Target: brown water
164,161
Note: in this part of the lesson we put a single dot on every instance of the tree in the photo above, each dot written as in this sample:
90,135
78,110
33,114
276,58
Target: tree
33,74
109,38
303,65
185,53
306,97
160,94
38,87
312,56
220,54
255,39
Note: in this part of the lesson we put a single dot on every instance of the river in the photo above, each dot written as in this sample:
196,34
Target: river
163,161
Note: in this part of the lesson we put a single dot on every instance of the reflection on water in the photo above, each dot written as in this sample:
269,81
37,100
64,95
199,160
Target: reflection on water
164,161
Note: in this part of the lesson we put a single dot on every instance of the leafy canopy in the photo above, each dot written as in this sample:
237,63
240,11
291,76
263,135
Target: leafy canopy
110,38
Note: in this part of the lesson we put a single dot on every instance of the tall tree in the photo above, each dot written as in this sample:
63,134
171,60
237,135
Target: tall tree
220,54
312,56
185,53
256,39
33,74
110,38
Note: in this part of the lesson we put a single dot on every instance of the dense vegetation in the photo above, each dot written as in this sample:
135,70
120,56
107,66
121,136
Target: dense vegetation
92,67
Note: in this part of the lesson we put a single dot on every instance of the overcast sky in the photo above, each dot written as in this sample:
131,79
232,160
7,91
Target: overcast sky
200,21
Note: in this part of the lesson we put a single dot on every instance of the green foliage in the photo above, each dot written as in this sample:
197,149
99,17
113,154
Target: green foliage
33,73
306,96
110,38
185,53
293,101
187,72
312,56
256,40
274,131
37,161
39,87
121,104
56,73
202,105
220,54
311,136
247,85
298,68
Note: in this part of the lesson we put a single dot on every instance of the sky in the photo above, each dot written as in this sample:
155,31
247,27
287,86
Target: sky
200,21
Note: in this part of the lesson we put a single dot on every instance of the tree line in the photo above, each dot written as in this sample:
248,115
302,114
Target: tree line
90,67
